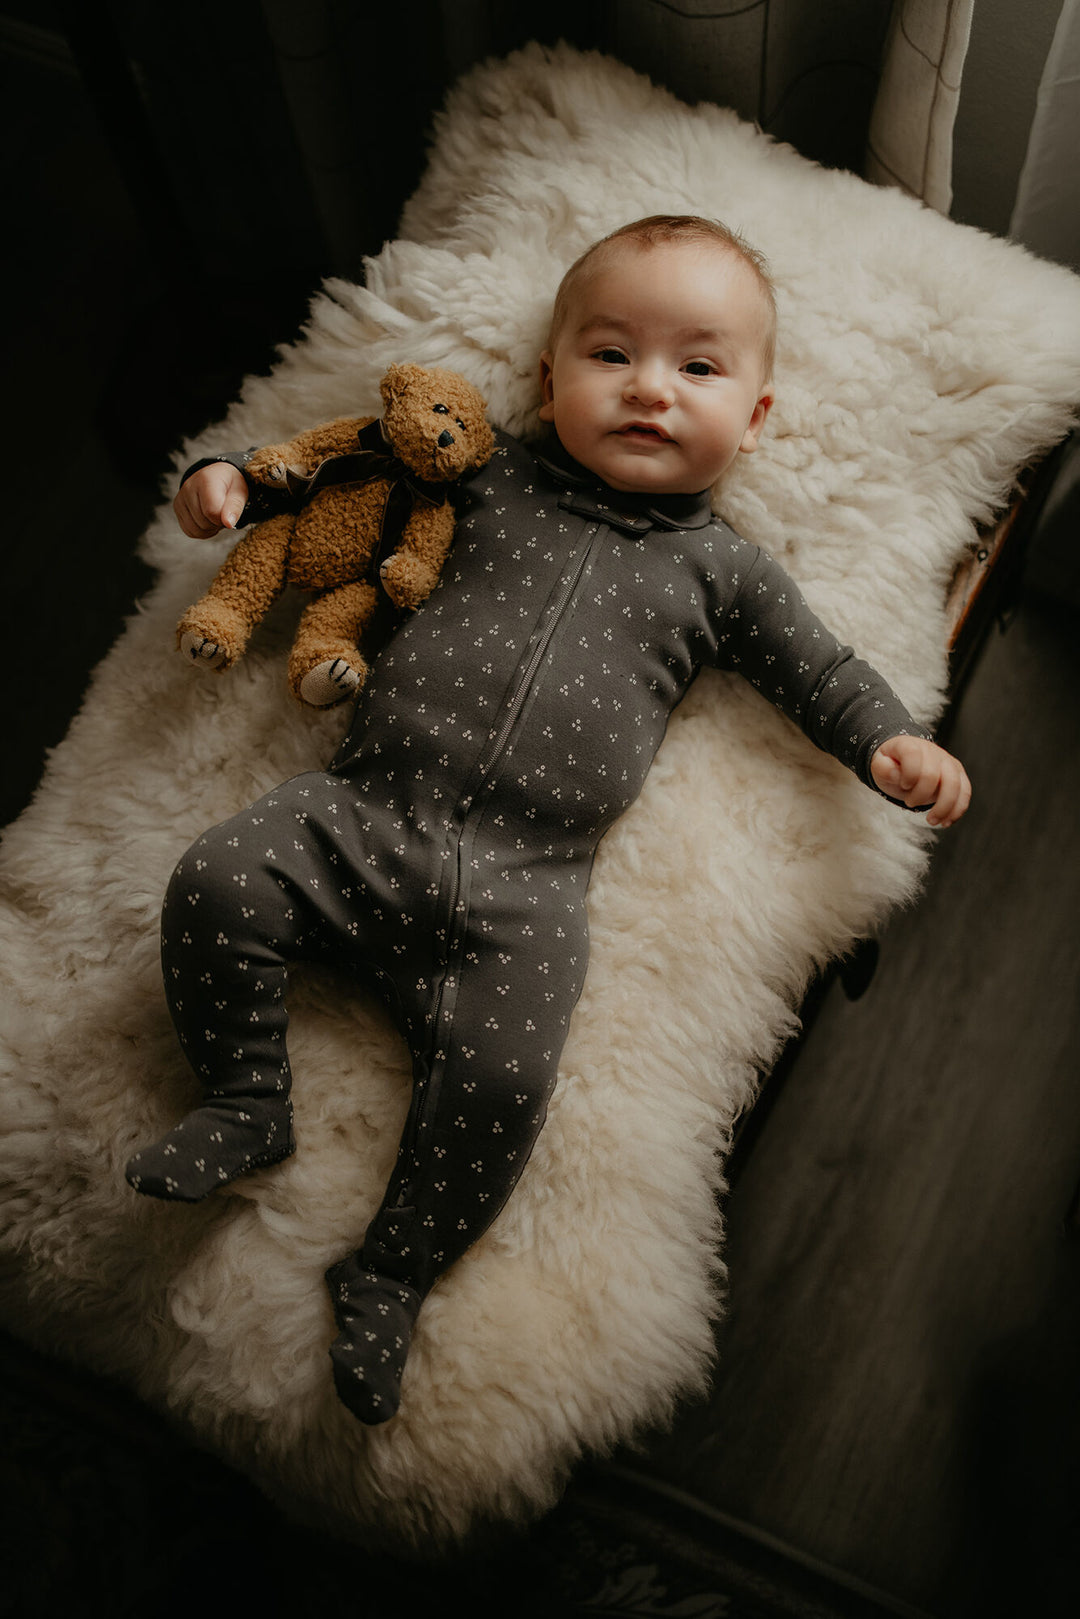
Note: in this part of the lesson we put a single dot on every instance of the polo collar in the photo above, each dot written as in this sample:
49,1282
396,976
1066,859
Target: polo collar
583,493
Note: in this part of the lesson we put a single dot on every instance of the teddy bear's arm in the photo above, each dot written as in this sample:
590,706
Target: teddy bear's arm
304,452
410,574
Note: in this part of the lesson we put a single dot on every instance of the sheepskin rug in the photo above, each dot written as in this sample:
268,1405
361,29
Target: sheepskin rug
920,365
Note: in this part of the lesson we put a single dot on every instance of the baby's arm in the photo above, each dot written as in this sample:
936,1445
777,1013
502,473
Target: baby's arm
921,775
215,494
841,702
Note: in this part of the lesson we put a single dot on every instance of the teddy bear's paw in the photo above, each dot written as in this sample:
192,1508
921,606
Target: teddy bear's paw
201,651
406,580
330,682
266,466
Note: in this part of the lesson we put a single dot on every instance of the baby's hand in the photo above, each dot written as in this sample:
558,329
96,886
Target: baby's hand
211,499
921,774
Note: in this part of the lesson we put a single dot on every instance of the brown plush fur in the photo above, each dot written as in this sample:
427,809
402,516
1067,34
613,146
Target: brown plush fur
329,546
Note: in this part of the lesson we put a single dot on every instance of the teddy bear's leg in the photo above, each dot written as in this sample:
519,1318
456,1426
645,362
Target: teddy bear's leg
410,575
326,665
215,631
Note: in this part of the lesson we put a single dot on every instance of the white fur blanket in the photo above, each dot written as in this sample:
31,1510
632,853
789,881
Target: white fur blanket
920,365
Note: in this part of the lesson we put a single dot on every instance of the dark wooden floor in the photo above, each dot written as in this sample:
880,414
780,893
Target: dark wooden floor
899,1391
898,1394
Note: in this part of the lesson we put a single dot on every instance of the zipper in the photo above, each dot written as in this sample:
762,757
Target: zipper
524,685
487,764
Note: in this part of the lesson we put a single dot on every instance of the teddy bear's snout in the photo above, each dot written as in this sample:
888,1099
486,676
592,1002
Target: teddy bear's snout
445,439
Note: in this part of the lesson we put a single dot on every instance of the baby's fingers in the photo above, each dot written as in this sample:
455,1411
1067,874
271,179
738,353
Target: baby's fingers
211,499
908,770
953,797
922,789
193,519
923,776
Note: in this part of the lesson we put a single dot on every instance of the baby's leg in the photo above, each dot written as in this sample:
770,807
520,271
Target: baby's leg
253,893
479,1102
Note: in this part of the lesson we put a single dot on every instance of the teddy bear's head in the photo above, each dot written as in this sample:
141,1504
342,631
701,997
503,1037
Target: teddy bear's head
434,421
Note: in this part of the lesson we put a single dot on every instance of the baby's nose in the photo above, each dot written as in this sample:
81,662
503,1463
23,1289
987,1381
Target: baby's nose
649,385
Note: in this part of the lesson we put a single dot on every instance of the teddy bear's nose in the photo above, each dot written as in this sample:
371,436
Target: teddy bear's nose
445,439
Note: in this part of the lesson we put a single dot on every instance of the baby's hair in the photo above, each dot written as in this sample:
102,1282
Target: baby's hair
661,228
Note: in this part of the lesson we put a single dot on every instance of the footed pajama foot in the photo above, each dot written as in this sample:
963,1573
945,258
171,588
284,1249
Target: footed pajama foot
212,1146
376,1315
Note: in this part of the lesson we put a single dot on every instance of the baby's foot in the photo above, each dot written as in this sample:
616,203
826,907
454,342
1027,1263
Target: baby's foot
212,1146
330,682
376,1316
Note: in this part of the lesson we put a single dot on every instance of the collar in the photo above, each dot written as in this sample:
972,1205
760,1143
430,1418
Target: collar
588,496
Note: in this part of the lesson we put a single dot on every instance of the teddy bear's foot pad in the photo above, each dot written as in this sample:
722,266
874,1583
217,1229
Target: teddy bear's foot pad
376,1315
330,682
212,1146
202,651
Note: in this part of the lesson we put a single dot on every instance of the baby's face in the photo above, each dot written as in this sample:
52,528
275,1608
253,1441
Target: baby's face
655,382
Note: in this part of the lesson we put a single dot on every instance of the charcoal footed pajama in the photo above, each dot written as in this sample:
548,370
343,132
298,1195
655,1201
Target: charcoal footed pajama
314,872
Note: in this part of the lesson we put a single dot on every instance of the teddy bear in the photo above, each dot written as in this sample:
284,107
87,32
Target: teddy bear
368,507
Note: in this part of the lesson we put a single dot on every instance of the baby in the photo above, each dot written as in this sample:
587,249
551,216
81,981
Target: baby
505,726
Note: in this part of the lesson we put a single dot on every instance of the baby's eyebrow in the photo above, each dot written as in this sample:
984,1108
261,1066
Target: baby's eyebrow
702,334
605,323
686,335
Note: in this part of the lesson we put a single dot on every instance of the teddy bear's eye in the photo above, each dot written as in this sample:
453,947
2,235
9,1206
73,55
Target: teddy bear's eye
441,410
461,424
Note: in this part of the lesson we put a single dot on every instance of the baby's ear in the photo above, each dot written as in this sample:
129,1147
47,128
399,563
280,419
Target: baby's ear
757,420
547,388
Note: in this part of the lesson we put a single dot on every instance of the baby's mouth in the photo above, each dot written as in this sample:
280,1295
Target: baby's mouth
645,431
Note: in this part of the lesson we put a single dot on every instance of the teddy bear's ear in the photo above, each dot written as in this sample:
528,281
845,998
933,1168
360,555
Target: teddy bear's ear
397,379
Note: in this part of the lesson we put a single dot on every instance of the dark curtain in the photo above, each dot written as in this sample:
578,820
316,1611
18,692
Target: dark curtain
276,139
283,138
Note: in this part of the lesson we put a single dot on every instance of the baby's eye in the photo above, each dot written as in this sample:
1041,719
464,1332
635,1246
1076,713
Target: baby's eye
700,368
611,356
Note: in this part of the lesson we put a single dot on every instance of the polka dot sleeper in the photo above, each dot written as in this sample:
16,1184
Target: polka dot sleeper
447,849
